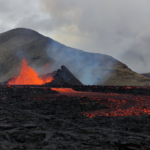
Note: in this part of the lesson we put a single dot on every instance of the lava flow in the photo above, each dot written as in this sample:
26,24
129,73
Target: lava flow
121,105
28,76
115,104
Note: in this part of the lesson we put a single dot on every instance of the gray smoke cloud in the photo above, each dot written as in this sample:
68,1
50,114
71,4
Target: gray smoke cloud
119,28
20,13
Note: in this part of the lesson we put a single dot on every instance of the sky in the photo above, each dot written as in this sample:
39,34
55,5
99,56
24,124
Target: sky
119,28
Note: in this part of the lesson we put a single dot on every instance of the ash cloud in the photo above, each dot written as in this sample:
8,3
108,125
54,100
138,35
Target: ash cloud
19,13
137,54
119,28
107,27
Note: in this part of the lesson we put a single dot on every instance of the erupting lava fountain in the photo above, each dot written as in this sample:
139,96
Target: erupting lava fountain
29,76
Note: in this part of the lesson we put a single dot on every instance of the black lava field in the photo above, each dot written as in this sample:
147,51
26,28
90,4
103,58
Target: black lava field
74,118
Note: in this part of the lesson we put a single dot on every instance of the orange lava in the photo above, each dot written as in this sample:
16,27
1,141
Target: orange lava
118,104
121,105
65,90
28,76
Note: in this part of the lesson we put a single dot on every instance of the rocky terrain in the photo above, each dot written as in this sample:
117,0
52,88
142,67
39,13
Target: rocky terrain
89,68
35,117
114,89
62,77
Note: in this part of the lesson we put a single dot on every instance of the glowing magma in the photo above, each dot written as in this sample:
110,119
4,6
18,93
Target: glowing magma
28,76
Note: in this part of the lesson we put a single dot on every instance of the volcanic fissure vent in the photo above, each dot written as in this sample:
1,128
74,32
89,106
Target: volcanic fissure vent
28,76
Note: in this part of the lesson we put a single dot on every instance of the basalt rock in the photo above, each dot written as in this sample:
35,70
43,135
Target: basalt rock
63,77
37,120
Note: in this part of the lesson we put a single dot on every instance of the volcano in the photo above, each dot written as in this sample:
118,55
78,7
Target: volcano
44,116
29,76
38,50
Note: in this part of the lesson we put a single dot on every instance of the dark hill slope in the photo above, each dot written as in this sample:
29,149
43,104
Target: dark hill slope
89,68
146,74
62,77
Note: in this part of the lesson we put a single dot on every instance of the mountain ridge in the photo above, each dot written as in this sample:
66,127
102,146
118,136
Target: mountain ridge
146,74
38,50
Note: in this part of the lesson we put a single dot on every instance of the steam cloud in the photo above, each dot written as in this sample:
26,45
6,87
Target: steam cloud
117,28
85,66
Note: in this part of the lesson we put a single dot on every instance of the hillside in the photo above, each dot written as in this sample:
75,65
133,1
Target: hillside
89,68
146,74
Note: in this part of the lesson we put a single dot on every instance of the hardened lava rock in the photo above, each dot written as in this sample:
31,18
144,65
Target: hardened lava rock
35,118
114,89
